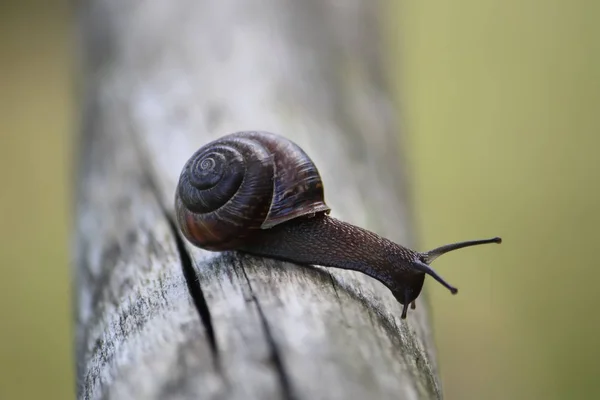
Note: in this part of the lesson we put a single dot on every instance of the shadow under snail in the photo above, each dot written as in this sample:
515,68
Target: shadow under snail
260,193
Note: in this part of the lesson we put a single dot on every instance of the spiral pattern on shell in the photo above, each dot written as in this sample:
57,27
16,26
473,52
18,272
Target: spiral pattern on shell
243,182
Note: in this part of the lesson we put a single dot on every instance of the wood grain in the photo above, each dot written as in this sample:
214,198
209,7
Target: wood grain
160,319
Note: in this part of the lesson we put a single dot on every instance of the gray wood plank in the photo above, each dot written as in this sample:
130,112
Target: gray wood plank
158,318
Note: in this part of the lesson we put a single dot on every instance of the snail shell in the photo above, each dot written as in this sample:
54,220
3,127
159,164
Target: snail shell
243,182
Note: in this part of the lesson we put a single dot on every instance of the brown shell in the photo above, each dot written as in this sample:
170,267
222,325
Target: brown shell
243,182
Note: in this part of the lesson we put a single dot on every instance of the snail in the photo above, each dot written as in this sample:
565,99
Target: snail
260,193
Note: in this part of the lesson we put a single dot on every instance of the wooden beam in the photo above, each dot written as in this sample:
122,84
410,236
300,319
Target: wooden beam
160,319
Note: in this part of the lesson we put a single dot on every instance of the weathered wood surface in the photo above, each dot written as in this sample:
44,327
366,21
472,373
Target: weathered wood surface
159,319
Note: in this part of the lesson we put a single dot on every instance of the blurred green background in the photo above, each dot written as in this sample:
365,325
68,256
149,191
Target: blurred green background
501,103
36,130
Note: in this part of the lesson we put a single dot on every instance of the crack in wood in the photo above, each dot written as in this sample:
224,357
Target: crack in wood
280,369
189,273
195,290
337,296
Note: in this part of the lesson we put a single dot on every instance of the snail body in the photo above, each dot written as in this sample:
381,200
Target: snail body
260,193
